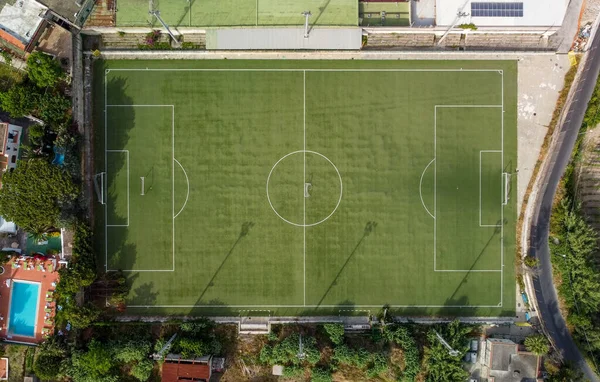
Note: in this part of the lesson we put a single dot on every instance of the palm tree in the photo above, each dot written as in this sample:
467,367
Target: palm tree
537,344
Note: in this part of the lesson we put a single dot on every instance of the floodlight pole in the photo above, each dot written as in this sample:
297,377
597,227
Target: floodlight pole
451,351
156,14
306,14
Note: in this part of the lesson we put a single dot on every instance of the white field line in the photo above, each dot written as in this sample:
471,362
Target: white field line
127,155
435,194
303,183
322,70
311,306
188,188
173,179
106,151
105,174
480,186
294,70
502,210
421,185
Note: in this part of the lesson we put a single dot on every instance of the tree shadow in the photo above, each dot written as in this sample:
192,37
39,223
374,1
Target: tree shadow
321,11
145,294
369,228
465,279
111,242
245,231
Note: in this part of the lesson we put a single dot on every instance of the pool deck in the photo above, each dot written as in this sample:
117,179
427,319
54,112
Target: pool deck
29,271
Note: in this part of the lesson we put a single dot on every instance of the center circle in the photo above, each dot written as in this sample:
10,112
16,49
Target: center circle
304,188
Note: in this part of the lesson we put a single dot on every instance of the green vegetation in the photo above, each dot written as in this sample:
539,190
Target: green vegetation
43,70
358,358
34,195
335,332
227,247
537,344
574,248
240,13
469,26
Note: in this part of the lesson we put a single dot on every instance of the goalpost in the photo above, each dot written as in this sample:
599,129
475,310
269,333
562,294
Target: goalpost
506,178
99,186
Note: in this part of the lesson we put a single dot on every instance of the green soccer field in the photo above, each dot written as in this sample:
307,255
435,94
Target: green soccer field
308,187
215,13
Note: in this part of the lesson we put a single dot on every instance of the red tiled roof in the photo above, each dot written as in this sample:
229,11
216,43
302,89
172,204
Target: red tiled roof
174,371
11,39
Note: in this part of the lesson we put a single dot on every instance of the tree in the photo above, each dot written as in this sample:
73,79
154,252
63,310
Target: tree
94,364
34,193
335,333
52,108
80,317
441,365
43,70
47,364
537,344
18,101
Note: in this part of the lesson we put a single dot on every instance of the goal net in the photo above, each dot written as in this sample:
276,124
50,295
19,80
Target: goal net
99,186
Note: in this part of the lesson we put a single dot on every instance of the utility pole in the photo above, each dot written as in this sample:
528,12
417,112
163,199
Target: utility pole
306,14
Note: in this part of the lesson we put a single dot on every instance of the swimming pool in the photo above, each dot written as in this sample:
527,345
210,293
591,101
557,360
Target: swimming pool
24,301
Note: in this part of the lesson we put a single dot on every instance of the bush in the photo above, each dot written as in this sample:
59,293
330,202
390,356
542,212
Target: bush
142,370
47,365
335,333
292,371
320,375
531,261
379,365
131,351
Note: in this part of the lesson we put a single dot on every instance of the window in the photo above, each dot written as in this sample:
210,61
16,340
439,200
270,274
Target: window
480,9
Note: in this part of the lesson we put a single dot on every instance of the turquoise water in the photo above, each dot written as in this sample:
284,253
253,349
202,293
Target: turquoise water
23,308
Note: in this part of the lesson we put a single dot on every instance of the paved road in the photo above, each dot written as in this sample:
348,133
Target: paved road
544,288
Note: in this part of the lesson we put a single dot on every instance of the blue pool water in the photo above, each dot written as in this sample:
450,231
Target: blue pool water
24,302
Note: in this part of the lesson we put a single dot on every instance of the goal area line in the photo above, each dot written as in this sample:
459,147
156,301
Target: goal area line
293,305
107,151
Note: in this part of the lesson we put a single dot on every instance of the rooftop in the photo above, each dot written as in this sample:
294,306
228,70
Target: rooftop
74,11
20,19
175,368
508,364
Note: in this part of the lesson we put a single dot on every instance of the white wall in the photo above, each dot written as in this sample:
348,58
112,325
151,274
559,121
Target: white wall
539,13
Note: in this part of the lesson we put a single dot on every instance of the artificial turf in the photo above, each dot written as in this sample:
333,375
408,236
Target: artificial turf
381,160
214,13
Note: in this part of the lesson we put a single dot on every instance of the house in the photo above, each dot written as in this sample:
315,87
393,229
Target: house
10,137
175,368
23,22
504,13
506,362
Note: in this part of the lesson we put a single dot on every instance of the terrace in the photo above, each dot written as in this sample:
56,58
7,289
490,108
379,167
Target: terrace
34,279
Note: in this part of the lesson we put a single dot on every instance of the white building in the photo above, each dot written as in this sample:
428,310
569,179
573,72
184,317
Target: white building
503,13
10,138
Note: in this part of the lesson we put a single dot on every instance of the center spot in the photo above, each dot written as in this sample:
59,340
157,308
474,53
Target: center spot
304,188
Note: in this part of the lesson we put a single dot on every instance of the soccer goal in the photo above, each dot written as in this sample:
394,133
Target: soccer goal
506,178
99,186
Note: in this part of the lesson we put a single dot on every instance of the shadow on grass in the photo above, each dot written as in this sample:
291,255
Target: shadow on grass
245,230
369,228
